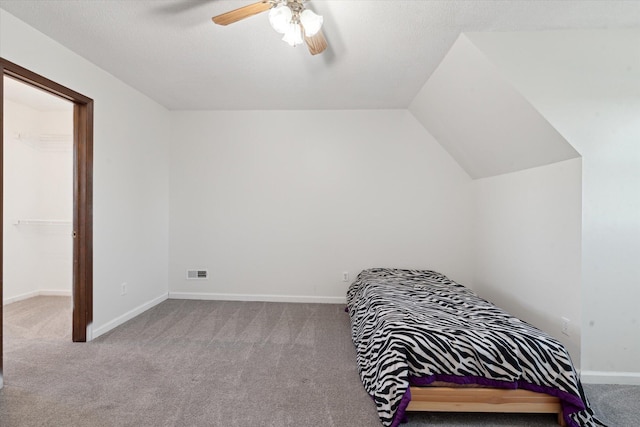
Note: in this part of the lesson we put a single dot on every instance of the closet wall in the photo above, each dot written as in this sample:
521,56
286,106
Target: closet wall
38,201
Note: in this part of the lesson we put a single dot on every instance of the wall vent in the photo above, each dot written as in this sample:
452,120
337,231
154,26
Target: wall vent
197,274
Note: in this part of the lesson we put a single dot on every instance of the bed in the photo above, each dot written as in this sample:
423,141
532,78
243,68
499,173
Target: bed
426,343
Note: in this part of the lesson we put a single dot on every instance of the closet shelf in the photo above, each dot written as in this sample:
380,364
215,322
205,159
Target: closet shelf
41,222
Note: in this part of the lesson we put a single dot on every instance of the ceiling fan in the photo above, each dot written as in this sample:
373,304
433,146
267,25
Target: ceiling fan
288,17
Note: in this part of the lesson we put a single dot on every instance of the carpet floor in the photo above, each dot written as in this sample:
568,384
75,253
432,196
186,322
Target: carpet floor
213,363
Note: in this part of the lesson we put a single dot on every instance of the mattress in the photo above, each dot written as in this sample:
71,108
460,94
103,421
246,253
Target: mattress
415,327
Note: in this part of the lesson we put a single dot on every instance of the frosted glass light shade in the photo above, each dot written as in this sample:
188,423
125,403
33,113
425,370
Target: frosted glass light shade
280,18
311,22
293,36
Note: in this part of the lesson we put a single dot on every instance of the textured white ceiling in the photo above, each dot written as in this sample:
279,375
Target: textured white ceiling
380,52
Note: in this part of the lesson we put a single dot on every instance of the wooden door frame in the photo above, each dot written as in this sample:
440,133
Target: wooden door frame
82,196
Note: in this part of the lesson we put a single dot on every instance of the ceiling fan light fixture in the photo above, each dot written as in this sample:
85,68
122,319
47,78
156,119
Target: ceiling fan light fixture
290,18
293,36
311,22
280,18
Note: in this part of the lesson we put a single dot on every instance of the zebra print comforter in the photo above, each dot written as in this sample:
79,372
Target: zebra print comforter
414,327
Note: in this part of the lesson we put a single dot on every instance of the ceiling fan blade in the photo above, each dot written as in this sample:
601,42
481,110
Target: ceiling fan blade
242,13
316,43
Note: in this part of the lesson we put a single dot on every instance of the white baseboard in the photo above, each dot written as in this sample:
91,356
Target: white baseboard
54,293
41,292
610,377
90,332
96,332
19,297
250,297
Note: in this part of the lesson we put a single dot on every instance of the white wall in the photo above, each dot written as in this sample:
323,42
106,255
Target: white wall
586,83
528,237
38,183
277,204
130,174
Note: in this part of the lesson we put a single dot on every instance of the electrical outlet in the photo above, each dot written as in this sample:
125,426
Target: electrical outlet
345,276
123,289
565,326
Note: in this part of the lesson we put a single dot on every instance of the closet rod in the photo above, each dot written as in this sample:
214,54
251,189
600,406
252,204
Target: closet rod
41,222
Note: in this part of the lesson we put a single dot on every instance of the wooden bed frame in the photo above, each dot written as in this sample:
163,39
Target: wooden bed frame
450,399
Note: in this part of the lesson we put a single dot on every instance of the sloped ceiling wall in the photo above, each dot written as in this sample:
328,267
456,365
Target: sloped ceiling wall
526,212
587,83
505,102
487,126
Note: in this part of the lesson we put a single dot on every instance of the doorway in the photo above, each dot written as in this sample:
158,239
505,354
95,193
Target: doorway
82,221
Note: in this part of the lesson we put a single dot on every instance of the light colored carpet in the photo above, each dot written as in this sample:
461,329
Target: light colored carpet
212,363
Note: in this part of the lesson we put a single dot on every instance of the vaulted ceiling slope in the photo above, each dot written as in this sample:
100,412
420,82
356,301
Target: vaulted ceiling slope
381,52
486,125
492,103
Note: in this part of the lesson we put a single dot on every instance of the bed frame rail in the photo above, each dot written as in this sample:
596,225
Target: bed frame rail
447,399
